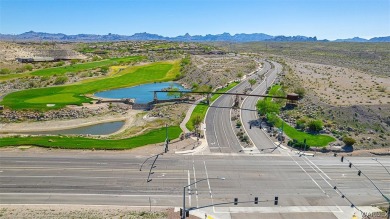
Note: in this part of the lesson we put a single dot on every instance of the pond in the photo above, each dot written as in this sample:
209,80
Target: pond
142,93
98,129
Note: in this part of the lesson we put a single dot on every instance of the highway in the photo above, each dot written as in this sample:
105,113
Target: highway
304,185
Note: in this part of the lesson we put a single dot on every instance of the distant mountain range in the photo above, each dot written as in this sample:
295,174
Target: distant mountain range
362,40
225,37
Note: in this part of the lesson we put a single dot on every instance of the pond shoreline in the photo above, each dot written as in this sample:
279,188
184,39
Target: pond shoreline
55,125
141,93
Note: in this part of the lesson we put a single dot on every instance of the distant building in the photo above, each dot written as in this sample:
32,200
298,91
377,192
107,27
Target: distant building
36,59
51,55
25,60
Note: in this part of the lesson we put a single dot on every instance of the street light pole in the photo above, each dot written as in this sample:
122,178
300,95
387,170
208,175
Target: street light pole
183,216
387,199
166,138
140,169
381,165
383,195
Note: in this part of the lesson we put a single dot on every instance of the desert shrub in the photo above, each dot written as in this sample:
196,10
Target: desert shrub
4,71
45,78
73,61
84,74
382,89
244,138
104,69
95,58
32,84
58,64
28,67
19,70
315,125
195,86
301,124
300,91
297,144
61,80
349,141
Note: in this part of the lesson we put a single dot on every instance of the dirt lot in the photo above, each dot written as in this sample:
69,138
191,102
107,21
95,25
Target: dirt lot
342,86
350,102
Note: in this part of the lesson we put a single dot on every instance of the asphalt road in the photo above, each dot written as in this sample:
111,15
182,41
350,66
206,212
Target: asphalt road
220,133
249,117
304,185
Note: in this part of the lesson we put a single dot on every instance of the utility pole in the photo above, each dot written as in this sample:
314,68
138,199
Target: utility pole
281,137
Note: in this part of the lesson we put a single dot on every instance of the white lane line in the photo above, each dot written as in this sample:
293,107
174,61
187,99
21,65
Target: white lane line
318,168
319,175
307,174
94,169
208,182
215,131
189,182
73,176
326,180
196,187
224,130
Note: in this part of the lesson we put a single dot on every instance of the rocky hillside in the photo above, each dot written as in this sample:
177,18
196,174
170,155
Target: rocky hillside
216,70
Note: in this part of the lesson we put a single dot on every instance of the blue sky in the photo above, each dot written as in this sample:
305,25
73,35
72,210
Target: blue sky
326,19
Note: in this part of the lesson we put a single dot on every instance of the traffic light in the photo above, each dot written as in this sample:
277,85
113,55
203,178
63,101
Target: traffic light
250,126
350,165
342,158
256,200
181,212
235,201
276,200
359,172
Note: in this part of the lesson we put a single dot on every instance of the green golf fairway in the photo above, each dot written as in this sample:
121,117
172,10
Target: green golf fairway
74,94
72,68
56,98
